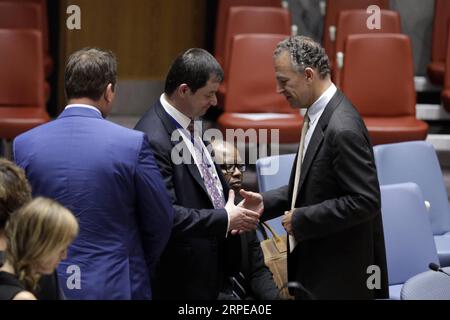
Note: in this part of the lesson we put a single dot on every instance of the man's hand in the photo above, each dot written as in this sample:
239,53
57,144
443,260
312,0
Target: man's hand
287,222
252,201
241,219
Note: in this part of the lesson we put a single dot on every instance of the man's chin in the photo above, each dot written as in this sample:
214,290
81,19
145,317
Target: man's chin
293,103
236,186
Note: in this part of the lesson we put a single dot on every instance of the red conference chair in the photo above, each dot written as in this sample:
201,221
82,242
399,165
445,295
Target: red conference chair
436,68
378,78
333,8
223,7
23,15
355,22
22,104
242,20
252,89
48,62
446,91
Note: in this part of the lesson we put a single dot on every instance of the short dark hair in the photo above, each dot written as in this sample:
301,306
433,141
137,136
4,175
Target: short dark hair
305,53
88,73
15,191
194,68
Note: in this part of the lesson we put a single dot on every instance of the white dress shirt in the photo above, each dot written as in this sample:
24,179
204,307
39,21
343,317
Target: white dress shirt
80,105
315,112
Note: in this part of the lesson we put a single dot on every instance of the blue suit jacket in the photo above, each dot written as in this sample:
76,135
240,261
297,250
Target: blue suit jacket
107,176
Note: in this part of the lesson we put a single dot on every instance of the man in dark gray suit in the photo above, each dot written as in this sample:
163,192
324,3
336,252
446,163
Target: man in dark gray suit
332,202
202,248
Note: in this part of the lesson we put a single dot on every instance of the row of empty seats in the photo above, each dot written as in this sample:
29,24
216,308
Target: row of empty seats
377,77
409,173
375,71
333,9
341,20
247,32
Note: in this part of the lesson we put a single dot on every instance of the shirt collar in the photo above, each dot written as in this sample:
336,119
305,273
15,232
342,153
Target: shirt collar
80,105
179,117
319,105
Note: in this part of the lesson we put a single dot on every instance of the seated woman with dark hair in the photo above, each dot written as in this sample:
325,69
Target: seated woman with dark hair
37,237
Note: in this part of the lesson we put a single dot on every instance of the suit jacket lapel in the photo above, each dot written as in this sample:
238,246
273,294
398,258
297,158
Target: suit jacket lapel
318,135
171,127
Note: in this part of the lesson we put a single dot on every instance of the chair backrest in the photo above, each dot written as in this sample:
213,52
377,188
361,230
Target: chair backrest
416,161
333,8
42,5
429,285
282,166
251,84
447,64
223,7
243,20
440,30
378,74
408,238
355,22
22,70
20,15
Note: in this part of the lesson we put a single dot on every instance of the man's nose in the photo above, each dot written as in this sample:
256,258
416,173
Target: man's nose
280,89
214,100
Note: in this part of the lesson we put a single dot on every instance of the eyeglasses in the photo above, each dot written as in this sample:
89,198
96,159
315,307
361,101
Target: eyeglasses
229,168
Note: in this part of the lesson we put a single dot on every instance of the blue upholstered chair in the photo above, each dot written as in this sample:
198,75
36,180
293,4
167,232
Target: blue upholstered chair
409,240
417,162
428,285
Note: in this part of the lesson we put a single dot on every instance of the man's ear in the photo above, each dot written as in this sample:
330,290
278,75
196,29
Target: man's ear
109,93
183,89
309,74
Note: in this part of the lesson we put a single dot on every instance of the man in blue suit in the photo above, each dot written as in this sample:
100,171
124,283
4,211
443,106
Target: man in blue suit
107,176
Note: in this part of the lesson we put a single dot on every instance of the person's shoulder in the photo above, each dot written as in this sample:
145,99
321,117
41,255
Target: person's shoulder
346,118
24,295
120,133
34,132
149,121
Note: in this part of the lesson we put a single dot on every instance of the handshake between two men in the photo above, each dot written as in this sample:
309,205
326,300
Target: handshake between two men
245,216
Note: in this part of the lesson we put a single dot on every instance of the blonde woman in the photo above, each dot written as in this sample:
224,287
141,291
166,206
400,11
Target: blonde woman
37,238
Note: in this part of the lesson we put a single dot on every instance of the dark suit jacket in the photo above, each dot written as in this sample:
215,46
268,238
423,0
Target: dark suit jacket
198,254
260,284
338,219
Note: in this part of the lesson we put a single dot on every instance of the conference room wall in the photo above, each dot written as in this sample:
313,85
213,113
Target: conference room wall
145,35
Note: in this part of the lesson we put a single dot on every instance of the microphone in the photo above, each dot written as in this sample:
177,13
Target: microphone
435,267
297,286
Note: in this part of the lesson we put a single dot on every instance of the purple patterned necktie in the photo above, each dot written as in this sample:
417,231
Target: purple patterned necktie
209,179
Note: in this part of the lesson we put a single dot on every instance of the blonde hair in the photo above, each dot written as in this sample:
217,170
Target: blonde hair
38,230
